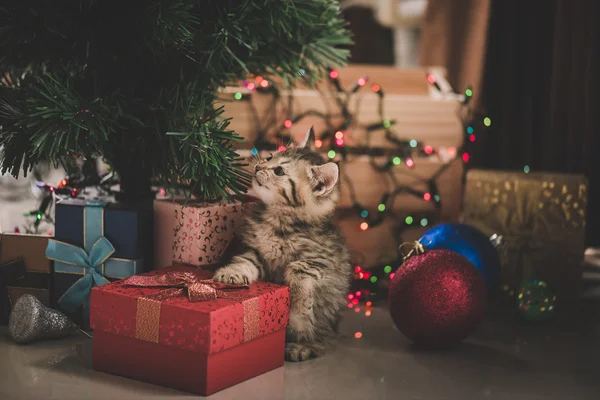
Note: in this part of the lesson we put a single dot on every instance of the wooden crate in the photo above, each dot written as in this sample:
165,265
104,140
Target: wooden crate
418,111
434,122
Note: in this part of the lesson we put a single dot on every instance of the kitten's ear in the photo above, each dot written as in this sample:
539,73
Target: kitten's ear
309,140
324,178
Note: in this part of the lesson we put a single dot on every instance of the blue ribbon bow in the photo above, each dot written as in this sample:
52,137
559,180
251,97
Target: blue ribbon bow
93,262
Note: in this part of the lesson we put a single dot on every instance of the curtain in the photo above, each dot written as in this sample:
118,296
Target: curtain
373,43
453,35
541,73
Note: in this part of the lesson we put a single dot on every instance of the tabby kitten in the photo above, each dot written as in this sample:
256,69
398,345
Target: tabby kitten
290,239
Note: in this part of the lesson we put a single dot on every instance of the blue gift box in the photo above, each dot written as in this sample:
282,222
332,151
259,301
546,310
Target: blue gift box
96,243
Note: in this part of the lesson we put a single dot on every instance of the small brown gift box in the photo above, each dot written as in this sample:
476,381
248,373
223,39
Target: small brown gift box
24,269
541,220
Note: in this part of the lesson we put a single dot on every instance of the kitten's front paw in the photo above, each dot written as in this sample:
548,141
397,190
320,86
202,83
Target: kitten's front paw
235,274
299,352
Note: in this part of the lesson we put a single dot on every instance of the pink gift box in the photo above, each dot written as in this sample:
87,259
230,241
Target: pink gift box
196,232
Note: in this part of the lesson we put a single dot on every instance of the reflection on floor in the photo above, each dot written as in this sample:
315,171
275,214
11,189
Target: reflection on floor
504,360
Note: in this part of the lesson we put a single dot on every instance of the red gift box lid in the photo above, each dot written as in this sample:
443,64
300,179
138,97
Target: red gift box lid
205,326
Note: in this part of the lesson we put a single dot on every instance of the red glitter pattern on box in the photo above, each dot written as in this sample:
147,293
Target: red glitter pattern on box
206,326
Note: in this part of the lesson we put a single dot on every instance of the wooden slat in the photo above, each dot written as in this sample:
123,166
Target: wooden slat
378,245
432,121
369,185
372,247
392,79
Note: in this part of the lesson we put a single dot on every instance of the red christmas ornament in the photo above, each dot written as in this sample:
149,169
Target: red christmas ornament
437,298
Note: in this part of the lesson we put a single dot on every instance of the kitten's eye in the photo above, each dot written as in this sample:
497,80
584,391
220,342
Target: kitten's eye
279,171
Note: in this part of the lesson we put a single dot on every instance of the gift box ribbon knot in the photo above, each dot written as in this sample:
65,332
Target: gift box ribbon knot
93,261
195,288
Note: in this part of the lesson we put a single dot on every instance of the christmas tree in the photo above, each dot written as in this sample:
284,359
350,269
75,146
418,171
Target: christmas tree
136,82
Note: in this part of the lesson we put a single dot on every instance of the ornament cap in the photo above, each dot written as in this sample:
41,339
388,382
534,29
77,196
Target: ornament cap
416,248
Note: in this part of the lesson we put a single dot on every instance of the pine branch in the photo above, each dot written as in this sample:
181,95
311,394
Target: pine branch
142,72
46,119
202,145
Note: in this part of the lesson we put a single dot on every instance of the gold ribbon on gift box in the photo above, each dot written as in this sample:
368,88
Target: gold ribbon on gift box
196,288
541,218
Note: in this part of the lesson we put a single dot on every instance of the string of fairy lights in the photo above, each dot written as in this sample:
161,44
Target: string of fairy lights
332,142
69,187
407,151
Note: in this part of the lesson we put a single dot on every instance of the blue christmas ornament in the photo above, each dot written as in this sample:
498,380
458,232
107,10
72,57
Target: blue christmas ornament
469,242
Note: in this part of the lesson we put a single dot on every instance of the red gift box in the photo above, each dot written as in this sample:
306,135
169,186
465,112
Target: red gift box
171,337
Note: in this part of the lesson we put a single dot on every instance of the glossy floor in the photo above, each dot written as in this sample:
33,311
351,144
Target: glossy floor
503,360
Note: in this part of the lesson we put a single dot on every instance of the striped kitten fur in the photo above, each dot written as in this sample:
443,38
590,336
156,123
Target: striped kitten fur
290,239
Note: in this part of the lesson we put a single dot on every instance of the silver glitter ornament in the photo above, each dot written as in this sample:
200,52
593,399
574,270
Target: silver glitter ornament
30,320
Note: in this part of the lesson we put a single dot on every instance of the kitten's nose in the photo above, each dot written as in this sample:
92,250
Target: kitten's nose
260,166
